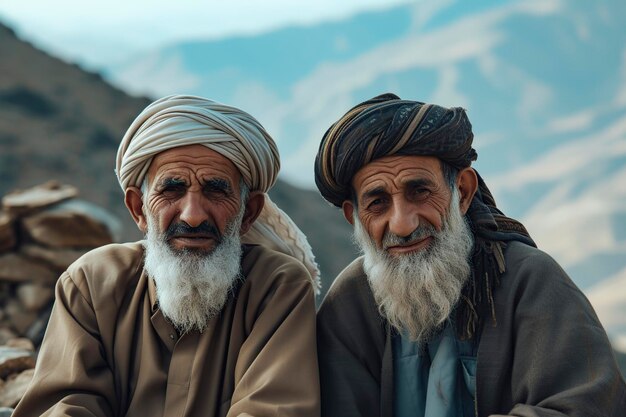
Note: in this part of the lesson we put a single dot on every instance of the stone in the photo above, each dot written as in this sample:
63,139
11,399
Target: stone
15,267
15,388
63,226
24,201
7,232
97,213
21,319
14,360
21,343
60,259
34,296
6,334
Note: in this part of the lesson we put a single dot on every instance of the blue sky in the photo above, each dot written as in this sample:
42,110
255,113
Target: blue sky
98,32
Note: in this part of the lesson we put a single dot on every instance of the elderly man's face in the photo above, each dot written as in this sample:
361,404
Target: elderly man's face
414,238
193,194
395,195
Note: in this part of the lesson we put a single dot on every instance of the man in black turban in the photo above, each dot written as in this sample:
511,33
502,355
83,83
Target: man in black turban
451,310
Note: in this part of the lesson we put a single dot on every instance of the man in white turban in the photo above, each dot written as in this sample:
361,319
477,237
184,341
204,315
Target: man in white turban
213,314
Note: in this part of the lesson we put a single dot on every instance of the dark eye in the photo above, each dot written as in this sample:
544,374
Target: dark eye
419,193
170,188
376,204
217,190
173,188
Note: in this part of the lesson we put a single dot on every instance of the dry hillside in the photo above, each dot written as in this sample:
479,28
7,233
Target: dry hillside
58,121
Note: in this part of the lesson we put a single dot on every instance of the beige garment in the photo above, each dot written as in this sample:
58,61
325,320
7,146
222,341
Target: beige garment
108,350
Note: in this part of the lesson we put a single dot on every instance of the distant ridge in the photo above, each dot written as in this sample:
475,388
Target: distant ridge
58,121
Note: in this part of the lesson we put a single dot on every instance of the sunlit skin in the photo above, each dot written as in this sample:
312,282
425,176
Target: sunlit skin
192,185
396,194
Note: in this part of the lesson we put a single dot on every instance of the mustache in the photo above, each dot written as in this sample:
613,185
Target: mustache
204,229
421,232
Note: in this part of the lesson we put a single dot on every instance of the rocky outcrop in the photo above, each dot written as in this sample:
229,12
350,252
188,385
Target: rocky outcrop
42,231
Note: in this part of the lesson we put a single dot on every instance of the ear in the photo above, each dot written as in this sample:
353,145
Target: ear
348,211
134,202
467,181
254,206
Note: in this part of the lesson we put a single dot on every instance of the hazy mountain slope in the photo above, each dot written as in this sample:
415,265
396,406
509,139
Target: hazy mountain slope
59,122
581,215
544,83
276,59
530,73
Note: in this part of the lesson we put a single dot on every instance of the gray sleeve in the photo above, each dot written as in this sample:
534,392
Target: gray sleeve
560,361
350,347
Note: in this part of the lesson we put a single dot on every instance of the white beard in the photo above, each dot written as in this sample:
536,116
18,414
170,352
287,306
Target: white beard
417,292
193,287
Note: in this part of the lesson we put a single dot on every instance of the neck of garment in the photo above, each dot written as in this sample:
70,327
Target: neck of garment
434,379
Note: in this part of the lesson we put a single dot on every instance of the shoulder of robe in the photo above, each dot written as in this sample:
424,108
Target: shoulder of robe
106,272
267,267
531,270
350,295
349,282
349,312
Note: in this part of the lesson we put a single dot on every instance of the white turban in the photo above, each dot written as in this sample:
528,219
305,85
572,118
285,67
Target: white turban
179,120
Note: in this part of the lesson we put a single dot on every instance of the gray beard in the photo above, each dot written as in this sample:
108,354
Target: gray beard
417,292
192,288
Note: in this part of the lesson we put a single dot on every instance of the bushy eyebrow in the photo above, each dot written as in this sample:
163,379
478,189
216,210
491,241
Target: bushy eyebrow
171,182
412,183
219,185
418,183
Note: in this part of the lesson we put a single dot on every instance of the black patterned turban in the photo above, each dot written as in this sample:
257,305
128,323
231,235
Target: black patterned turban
385,126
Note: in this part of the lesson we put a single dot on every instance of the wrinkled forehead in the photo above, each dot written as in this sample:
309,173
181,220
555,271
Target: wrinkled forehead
192,160
391,172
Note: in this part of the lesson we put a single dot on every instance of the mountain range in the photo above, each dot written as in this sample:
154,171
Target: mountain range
60,122
543,81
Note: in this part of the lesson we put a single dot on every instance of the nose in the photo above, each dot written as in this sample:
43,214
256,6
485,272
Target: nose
404,218
193,210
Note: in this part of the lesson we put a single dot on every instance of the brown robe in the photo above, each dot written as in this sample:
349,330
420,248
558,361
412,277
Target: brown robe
547,356
109,351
